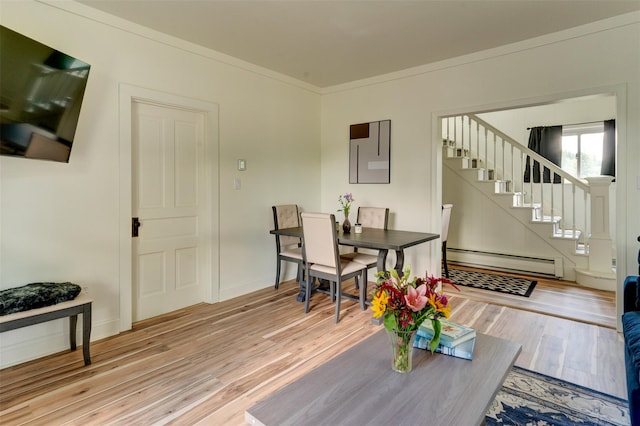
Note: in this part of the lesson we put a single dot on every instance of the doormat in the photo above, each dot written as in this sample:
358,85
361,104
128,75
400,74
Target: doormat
530,398
493,282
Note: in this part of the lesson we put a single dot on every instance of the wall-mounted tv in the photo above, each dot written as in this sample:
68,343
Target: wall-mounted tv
41,92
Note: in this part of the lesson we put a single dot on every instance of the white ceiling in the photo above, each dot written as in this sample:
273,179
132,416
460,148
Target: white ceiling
330,42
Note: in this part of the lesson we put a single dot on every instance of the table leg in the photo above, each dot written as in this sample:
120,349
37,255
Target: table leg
86,333
382,260
399,262
73,320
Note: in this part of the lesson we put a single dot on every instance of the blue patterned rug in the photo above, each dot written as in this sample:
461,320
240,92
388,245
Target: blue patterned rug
493,282
529,398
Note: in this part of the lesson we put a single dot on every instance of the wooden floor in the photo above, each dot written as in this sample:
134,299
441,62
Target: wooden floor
554,297
206,364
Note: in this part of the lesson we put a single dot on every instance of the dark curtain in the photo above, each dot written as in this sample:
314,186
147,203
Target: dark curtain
546,141
609,149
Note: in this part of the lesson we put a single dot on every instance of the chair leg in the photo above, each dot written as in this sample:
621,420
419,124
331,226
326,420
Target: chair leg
307,297
300,275
278,274
355,250
338,294
363,291
357,279
444,259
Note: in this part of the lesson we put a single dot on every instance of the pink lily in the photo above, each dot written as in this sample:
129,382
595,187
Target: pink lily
416,297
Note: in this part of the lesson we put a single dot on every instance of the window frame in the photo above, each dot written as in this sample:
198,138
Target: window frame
580,130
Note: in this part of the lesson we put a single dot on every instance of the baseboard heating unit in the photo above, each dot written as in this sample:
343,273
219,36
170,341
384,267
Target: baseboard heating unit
506,262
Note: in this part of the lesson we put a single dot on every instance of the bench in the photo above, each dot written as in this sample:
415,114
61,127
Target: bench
80,305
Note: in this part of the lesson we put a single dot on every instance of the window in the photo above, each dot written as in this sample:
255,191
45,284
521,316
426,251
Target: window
582,149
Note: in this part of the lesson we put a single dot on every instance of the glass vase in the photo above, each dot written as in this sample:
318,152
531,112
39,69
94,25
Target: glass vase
401,349
346,225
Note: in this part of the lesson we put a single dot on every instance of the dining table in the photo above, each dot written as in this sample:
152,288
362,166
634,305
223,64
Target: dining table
382,240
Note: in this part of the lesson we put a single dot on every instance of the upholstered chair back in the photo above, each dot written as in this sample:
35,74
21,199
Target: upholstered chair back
446,216
373,217
286,216
320,242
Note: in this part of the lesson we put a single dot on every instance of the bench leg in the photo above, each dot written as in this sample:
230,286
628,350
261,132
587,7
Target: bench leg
73,320
86,333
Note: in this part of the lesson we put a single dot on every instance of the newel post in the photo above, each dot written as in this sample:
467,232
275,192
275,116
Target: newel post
600,243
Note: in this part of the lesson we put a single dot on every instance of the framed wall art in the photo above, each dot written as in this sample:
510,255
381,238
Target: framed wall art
369,152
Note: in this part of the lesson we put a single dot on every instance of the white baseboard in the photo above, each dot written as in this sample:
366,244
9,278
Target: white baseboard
29,343
506,262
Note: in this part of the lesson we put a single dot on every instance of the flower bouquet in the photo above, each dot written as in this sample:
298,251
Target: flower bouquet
405,304
345,201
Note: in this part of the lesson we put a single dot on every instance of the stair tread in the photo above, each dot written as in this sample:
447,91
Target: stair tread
548,219
567,233
524,206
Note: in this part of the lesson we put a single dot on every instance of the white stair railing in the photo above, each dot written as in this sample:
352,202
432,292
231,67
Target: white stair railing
504,160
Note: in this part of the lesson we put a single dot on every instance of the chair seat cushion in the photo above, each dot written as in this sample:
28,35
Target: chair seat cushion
361,258
346,267
295,253
36,295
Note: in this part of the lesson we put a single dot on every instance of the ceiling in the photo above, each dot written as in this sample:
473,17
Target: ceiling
330,42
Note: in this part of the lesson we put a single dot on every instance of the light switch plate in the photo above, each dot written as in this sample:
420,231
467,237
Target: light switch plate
242,165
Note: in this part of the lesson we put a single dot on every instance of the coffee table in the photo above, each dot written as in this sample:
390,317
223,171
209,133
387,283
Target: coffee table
358,387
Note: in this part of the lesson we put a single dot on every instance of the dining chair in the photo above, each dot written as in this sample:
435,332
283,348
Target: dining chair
444,233
373,217
288,249
368,217
322,259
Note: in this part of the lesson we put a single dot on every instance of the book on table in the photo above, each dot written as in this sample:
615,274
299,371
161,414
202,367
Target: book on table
463,350
451,334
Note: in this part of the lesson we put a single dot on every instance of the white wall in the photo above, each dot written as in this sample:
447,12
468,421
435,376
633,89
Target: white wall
60,222
514,122
600,58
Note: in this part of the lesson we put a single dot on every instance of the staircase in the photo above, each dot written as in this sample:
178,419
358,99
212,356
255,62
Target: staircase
570,215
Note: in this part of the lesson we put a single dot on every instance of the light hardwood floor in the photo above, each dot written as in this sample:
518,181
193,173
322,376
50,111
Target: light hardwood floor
206,364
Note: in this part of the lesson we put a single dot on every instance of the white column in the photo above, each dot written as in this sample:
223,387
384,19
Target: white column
600,243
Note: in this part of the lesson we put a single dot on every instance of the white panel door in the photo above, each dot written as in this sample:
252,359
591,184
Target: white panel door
171,265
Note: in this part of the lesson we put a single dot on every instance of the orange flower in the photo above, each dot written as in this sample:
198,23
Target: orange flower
440,303
379,304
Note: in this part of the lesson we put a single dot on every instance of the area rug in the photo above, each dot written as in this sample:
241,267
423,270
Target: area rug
529,398
493,282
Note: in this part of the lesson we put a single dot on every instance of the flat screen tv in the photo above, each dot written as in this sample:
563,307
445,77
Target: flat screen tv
41,92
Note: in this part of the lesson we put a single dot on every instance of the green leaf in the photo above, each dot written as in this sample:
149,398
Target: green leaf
435,341
390,322
394,274
381,276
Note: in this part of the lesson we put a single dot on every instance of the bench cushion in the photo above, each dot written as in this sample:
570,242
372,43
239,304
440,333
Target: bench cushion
36,295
